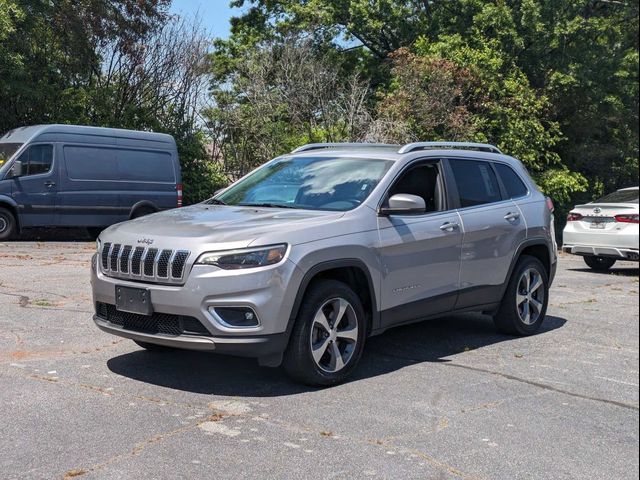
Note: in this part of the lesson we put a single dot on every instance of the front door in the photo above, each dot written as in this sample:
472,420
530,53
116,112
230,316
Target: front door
419,253
35,190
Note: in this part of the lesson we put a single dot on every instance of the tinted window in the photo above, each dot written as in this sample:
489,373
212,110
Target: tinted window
421,181
145,166
87,163
91,163
621,196
515,187
37,159
476,182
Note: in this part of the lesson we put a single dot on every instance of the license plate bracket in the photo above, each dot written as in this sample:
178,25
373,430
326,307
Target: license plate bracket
133,300
598,225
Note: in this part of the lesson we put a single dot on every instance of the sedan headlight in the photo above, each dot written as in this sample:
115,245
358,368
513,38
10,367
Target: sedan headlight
245,258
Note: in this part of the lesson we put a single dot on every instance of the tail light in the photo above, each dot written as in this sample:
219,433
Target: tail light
627,218
179,190
550,205
574,217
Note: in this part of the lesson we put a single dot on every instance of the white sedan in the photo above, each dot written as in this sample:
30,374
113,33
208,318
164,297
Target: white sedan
605,230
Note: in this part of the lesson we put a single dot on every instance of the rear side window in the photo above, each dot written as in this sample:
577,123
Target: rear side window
511,181
477,183
92,163
145,166
37,159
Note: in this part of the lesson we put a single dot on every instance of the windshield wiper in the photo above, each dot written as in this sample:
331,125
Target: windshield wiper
215,201
266,205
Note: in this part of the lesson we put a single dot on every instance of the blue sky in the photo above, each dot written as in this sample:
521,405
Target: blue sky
215,14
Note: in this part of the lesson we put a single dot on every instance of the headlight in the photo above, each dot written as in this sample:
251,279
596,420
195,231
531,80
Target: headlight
245,258
98,245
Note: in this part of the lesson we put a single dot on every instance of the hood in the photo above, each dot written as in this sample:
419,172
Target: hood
213,224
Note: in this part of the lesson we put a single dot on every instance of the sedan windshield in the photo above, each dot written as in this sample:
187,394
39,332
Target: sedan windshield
621,196
7,150
310,183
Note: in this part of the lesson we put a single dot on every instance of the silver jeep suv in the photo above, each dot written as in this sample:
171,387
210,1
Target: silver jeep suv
301,260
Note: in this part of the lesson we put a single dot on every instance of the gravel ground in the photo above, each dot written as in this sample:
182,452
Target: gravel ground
443,399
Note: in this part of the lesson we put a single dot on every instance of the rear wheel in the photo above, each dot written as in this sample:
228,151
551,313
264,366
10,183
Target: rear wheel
153,347
142,211
7,224
600,264
328,336
524,305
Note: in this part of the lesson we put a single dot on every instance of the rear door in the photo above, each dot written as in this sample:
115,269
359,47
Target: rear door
493,229
35,191
419,253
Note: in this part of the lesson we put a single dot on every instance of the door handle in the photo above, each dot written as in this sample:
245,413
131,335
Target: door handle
511,216
449,227
49,184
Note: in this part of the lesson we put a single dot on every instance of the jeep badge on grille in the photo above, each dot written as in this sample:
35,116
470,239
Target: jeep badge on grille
146,241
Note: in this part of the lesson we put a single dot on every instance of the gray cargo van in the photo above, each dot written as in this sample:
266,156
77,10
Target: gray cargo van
76,176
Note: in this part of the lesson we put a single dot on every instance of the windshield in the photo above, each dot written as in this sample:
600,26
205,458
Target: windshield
621,196
7,150
310,183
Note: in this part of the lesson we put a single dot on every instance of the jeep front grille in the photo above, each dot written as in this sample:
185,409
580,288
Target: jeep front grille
143,263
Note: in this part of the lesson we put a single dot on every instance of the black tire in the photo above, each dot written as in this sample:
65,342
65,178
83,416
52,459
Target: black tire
94,232
8,224
153,347
298,358
511,316
599,264
141,212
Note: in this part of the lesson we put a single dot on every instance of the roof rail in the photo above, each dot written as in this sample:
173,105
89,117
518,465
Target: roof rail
319,146
484,147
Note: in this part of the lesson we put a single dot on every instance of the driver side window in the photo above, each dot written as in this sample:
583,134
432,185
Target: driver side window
424,181
36,159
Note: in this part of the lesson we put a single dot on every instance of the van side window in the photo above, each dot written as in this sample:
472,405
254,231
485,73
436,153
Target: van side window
37,159
511,181
476,181
422,181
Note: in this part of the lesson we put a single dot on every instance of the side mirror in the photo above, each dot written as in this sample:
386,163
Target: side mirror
16,169
404,204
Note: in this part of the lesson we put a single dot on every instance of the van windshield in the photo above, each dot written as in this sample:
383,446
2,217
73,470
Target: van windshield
7,150
309,183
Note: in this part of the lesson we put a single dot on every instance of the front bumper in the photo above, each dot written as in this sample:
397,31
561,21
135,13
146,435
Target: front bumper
246,346
602,251
270,292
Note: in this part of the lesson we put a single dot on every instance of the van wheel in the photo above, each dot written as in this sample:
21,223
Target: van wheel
7,224
94,232
141,212
328,335
599,264
524,304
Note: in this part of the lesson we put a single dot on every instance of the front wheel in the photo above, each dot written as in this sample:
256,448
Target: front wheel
600,264
7,224
525,301
328,336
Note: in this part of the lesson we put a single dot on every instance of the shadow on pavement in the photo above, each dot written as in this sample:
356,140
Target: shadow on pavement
52,235
207,373
629,271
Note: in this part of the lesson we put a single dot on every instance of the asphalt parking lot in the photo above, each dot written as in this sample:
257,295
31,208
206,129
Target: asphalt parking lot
444,399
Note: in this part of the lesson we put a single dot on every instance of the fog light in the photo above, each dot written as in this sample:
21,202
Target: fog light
235,317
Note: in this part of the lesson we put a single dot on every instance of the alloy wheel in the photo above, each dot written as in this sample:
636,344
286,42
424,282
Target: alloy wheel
334,335
530,296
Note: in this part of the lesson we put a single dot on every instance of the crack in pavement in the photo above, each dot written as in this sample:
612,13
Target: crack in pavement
544,386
